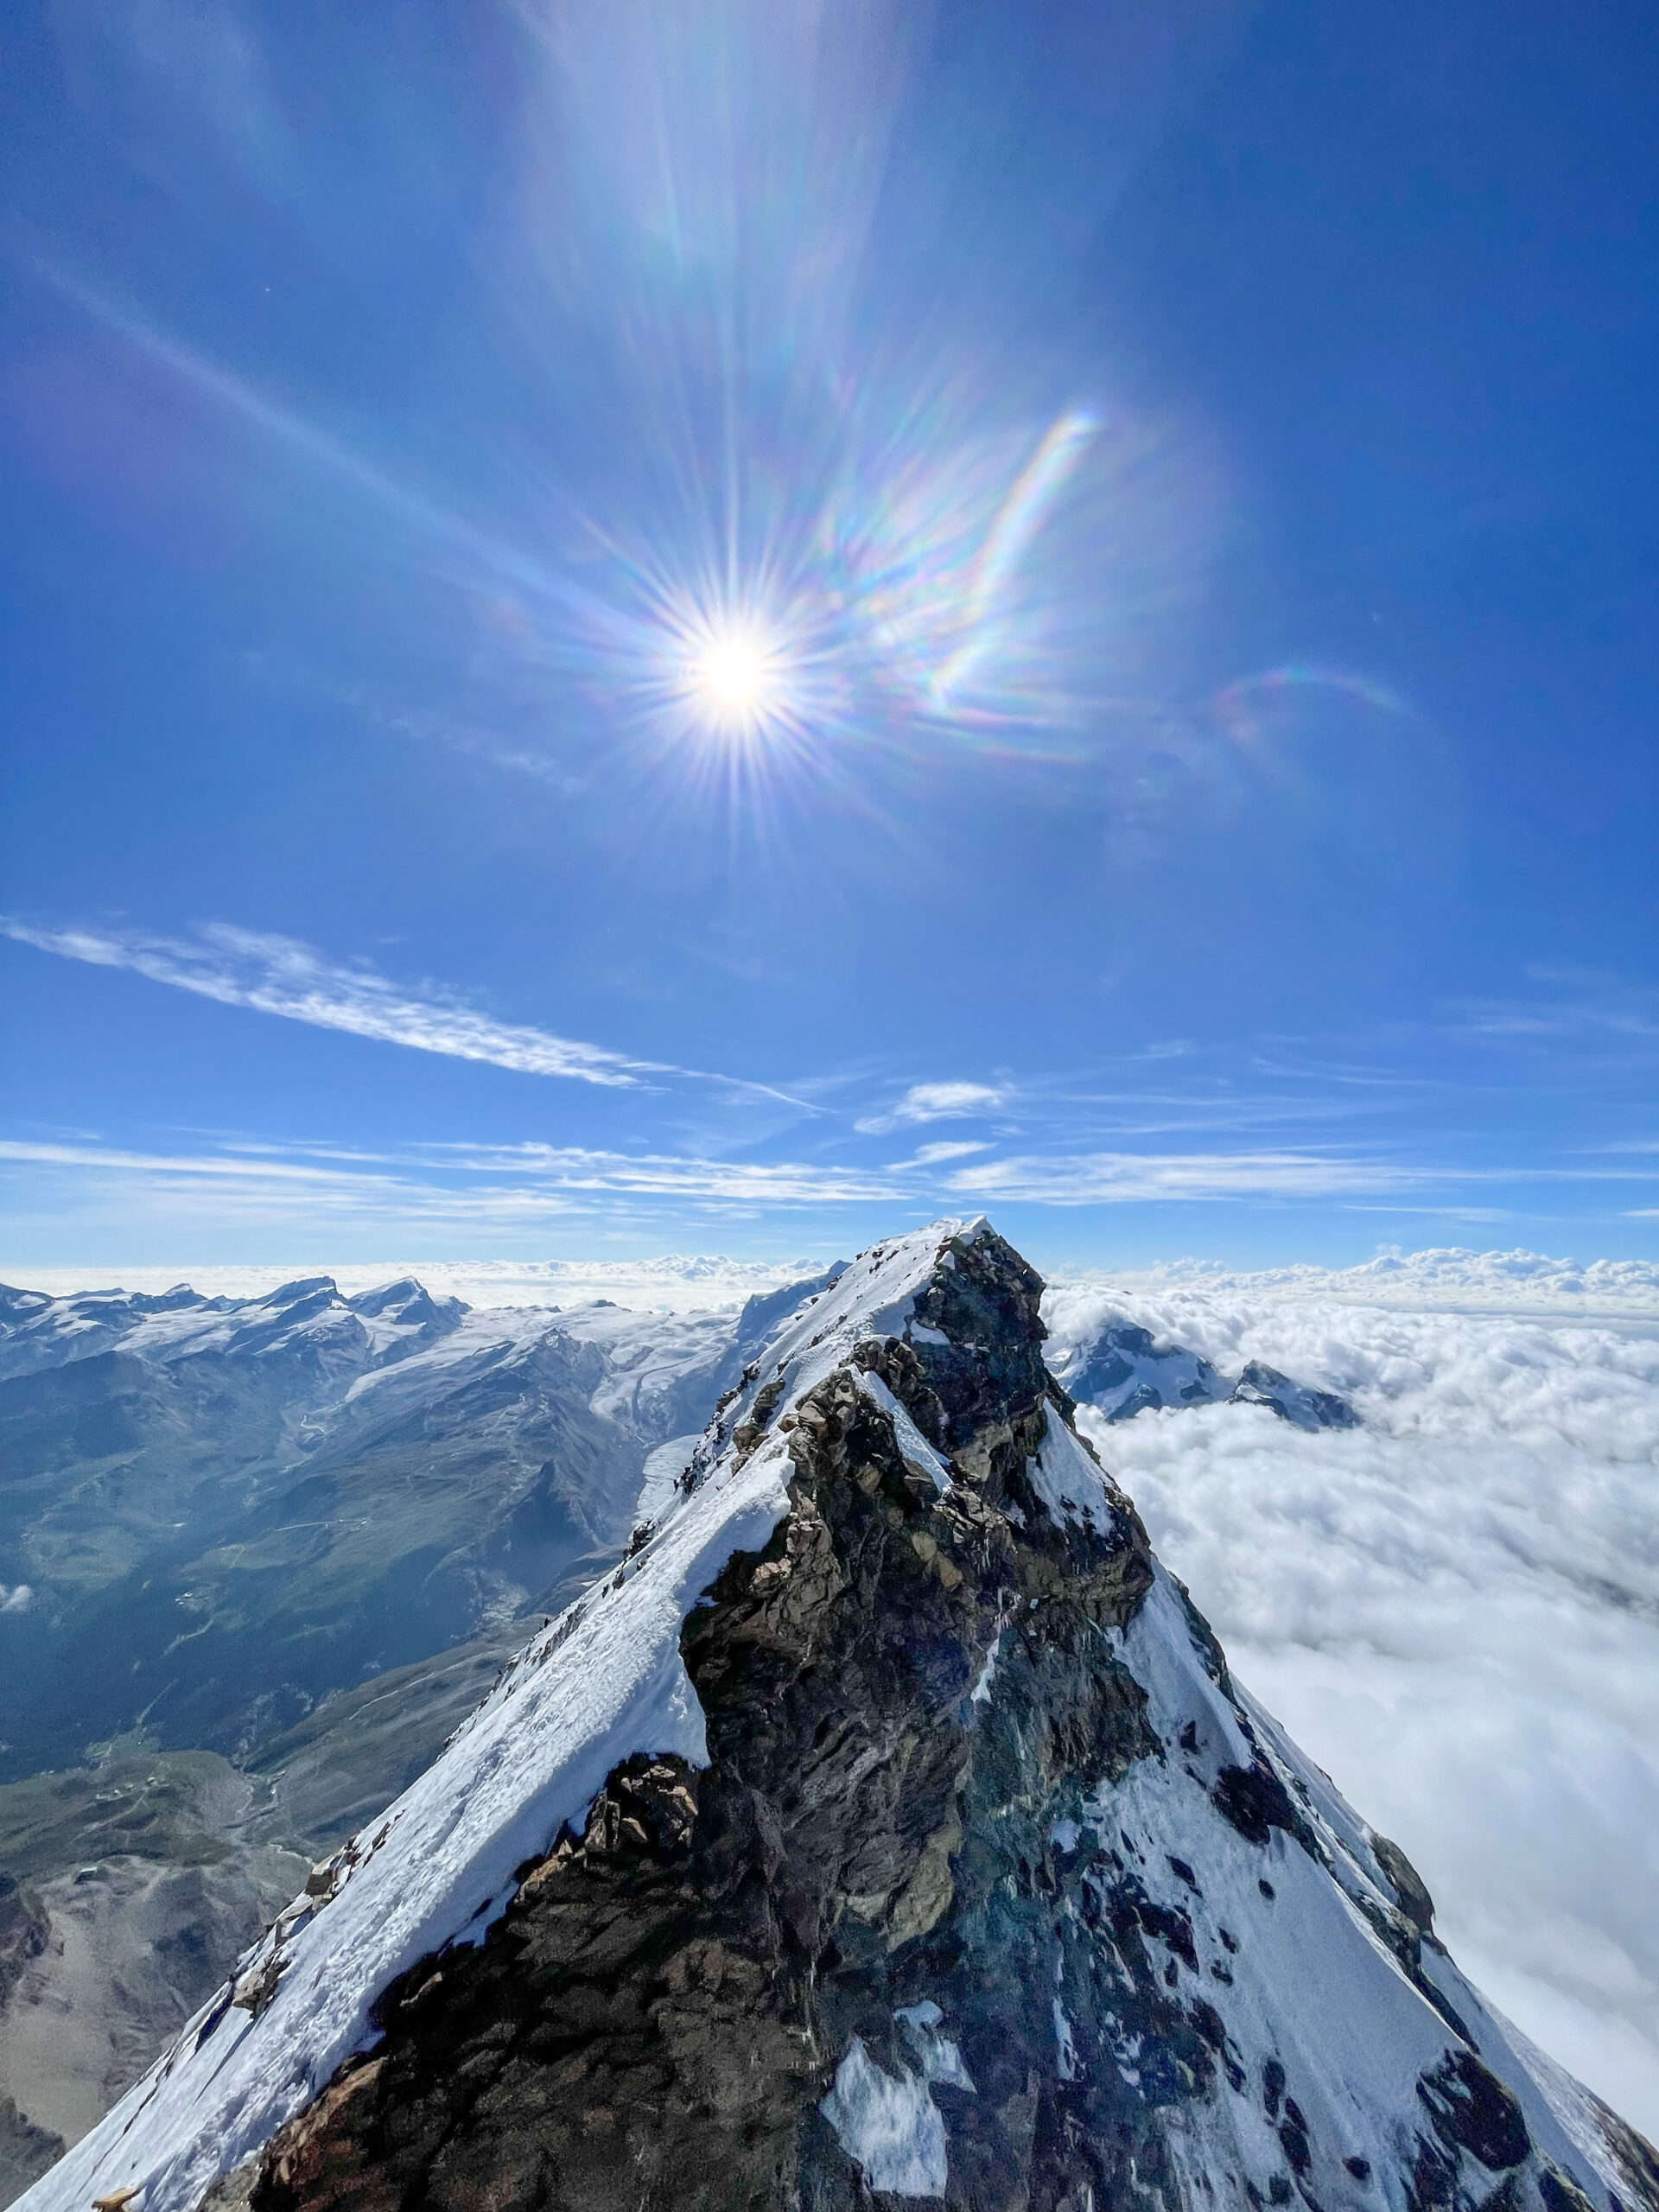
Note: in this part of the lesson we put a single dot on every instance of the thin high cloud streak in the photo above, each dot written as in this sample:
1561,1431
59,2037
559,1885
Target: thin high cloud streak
142,66
1454,1608
494,1188
1121,1178
1124,1177
271,974
1237,1095
501,1188
94,1190
1588,1004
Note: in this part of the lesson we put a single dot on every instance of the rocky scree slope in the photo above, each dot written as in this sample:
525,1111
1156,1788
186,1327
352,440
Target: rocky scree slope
888,1825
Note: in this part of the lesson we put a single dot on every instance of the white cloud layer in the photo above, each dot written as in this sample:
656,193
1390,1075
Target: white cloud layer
280,975
1448,1276
1455,1608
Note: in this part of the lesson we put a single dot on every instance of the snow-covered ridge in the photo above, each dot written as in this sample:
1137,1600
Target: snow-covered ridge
1121,1368
604,1680
384,1343
307,1316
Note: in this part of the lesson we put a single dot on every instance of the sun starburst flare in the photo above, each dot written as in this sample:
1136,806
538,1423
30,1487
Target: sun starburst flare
737,678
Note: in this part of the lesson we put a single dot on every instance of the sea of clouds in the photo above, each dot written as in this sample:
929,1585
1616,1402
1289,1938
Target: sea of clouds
1454,1607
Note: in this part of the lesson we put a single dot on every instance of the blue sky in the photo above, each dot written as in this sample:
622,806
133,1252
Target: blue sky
724,626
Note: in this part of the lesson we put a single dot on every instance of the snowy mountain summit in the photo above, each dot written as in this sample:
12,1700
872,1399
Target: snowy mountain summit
888,1823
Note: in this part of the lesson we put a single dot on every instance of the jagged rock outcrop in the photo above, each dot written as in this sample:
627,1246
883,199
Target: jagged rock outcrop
830,1867
23,1932
972,1875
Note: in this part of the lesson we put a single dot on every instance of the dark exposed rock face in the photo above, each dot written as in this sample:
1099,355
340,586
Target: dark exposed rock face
23,1931
1414,1900
671,1993
1472,2111
26,2150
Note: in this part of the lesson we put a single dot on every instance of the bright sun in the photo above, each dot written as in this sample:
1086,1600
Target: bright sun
735,677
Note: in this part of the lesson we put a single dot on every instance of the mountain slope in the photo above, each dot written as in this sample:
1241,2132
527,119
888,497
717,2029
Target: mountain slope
888,1822
1121,1369
257,1502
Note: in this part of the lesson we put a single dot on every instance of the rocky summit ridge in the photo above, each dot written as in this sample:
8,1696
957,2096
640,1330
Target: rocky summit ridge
887,1824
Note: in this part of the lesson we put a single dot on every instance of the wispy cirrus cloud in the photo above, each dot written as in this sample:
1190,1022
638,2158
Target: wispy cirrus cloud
505,1187
1111,1178
484,1188
1117,1177
1567,1003
577,1169
281,976
66,1182
165,78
